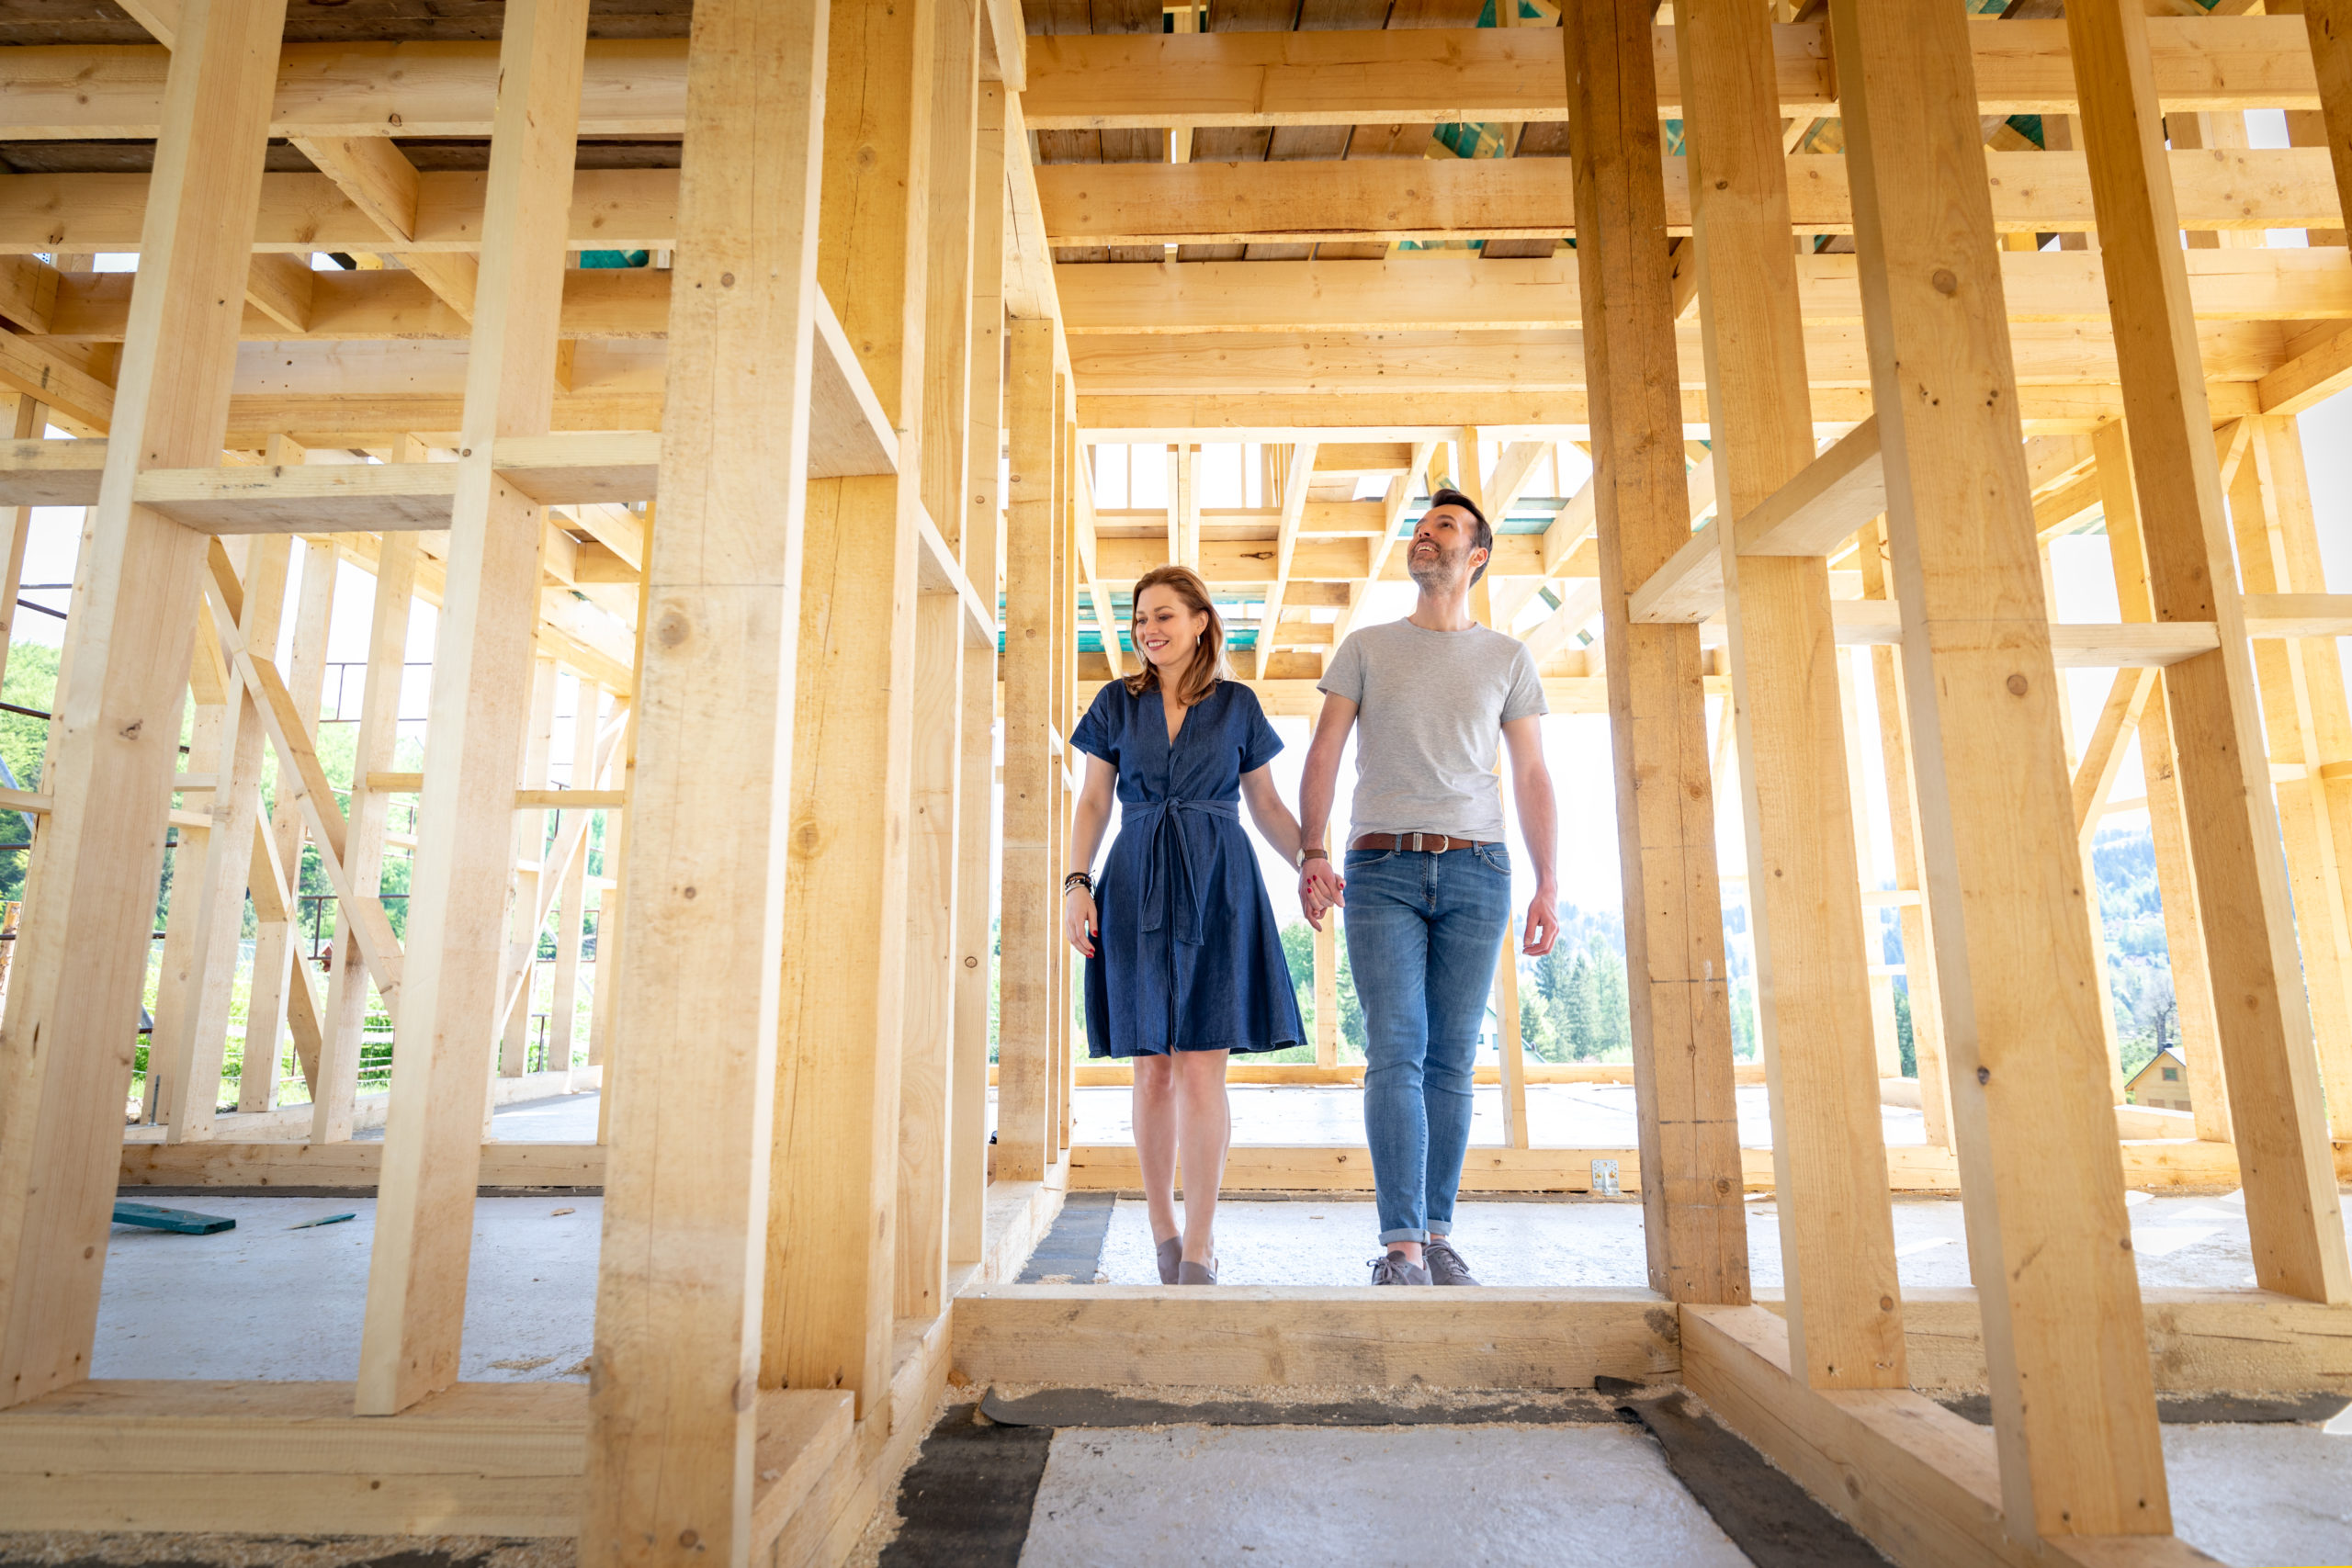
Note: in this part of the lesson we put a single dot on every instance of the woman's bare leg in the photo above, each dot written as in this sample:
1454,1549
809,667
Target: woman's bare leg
1154,1115
1205,1131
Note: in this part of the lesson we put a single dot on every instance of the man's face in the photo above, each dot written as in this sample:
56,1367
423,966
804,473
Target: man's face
1442,555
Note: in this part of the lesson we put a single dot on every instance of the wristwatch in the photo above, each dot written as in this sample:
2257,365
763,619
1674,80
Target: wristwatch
1306,854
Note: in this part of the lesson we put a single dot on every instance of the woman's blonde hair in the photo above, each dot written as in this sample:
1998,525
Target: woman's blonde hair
1207,667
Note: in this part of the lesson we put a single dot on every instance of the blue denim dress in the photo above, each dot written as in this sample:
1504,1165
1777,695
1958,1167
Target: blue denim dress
1189,957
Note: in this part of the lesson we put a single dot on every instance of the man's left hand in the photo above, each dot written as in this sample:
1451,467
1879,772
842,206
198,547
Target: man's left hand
1543,926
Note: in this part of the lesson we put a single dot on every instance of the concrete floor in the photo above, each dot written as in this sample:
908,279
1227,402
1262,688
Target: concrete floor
1556,1495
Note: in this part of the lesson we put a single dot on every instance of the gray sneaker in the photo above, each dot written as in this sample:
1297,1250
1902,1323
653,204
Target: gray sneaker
1446,1265
1395,1269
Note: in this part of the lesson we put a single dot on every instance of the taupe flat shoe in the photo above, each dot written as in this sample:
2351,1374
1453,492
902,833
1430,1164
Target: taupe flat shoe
1172,1253
1190,1273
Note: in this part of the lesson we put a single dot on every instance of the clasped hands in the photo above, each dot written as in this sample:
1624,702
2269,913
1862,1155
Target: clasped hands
1321,890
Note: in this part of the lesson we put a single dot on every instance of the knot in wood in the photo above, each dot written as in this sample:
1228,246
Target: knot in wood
1944,282
2016,684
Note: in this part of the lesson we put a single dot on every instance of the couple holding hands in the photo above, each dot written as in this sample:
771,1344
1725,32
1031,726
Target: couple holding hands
1184,962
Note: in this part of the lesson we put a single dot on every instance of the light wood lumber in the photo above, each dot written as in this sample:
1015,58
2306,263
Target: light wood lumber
681,1294
1812,971
416,1284
1030,931
2230,816
2074,1412
1695,1225
833,1178
73,999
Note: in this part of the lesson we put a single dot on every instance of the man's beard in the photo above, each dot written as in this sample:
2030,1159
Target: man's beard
1437,571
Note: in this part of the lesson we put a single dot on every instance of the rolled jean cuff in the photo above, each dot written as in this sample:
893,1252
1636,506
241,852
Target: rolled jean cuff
1418,1236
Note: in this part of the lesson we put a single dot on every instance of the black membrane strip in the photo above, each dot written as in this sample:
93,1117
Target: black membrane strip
1771,1518
2197,1409
1073,1249
965,1501
1093,1408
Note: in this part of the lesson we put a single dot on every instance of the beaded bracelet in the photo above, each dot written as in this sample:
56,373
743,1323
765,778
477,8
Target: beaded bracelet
1078,879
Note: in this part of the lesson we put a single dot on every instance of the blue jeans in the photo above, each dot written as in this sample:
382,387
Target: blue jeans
1424,932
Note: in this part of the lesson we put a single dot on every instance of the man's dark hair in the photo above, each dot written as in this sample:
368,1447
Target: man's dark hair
1481,536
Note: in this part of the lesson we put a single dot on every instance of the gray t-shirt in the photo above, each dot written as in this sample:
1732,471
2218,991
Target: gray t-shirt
1431,707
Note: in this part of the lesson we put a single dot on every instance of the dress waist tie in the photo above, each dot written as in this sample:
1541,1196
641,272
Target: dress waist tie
1172,857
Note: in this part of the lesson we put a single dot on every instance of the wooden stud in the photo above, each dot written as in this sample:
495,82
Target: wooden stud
2231,819
2307,724
681,1291
831,1247
935,863
1812,980
281,994
65,1048
1030,934
981,538
526,886
563,1009
1903,822
1694,1221
343,1036
457,924
2074,1405
2192,981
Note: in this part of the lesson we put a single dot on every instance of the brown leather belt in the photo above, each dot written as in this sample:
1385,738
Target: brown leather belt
1419,843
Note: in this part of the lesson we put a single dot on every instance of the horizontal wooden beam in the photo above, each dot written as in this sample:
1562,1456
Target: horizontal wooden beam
1445,290
1160,418
506,1459
1082,82
1933,1491
636,87
1098,1335
1307,202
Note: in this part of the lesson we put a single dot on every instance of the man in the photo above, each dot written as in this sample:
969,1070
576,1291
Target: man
1427,885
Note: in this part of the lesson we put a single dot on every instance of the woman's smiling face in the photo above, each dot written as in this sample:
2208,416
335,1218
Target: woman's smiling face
1165,630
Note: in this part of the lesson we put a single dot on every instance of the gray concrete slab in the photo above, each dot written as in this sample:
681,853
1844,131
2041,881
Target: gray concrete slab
2262,1494
1488,1496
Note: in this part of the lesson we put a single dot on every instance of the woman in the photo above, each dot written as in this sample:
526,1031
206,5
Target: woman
1184,962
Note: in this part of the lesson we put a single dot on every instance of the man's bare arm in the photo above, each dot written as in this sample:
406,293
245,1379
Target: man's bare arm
1319,883
1530,783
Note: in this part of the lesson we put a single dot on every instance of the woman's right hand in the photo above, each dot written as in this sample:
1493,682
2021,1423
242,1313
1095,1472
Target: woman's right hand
1079,925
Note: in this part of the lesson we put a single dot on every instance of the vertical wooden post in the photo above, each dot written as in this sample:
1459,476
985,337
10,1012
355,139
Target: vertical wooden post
980,541
2193,982
380,710
1327,994
448,1019
2050,1247
1804,890
281,986
563,1011
933,863
1903,819
1677,981
531,847
680,1290
2305,715
1065,645
832,1252
2231,817
66,1049
1028,929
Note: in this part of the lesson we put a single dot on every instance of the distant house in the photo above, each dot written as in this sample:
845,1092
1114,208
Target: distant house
2163,1084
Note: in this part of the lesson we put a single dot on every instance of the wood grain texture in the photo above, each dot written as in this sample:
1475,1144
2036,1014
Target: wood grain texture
65,1047
1812,973
1694,1218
